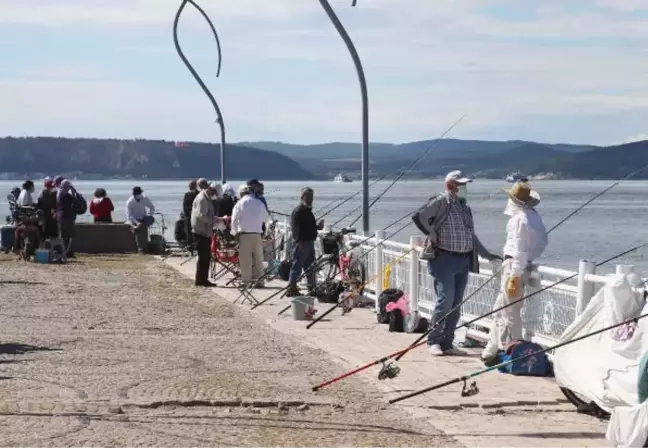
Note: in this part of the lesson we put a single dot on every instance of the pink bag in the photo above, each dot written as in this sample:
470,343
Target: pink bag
401,304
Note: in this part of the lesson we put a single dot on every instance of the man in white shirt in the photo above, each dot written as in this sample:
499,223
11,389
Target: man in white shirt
202,226
526,239
139,215
25,198
248,217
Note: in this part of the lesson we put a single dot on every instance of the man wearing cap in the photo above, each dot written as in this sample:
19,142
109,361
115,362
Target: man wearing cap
202,225
451,249
248,218
139,215
526,239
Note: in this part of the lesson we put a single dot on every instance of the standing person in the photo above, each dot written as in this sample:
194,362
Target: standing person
248,218
203,184
57,181
139,214
101,207
47,203
451,250
66,213
187,204
226,205
26,199
304,233
202,224
526,239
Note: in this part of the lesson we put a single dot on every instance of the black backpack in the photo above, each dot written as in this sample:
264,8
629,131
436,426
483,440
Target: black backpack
387,296
284,270
80,204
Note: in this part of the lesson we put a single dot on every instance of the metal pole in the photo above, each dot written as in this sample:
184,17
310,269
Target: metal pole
365,109
219,115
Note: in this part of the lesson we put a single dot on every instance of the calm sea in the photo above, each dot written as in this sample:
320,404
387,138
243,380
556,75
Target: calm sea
609,225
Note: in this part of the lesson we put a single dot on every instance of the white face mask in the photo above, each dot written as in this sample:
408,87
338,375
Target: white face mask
462,191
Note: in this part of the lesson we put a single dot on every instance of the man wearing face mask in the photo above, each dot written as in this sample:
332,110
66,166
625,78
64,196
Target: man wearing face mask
139,215
451,250
202,225
304,229
526,239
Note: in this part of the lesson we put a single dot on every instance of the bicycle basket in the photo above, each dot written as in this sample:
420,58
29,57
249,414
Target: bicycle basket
330,245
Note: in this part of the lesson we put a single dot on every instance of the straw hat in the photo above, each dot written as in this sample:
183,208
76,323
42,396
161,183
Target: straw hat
523,195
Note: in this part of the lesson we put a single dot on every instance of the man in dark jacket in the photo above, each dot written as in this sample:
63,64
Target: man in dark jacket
187,202
304,233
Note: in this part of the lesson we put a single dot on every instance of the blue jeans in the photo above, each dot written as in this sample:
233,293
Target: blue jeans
450,274
303,257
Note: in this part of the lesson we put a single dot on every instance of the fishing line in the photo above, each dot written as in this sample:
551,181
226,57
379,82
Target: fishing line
399,172
465,324
506,363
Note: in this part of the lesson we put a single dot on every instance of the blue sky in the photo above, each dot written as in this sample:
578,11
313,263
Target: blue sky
551,70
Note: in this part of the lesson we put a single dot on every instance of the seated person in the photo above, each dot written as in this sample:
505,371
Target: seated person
180,232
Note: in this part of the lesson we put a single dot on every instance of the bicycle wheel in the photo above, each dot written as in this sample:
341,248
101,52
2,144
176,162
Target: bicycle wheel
327,270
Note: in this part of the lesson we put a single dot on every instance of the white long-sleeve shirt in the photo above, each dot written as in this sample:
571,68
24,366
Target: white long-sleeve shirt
137,210
248,215
25,199
526,239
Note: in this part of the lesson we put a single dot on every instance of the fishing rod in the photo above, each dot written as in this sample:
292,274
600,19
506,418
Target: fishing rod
398,172
390,371
316,262
473,387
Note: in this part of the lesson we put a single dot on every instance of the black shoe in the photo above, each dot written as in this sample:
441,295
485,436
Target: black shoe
292,291
206,284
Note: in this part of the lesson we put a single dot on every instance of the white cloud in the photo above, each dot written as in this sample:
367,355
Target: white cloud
426,64
636,138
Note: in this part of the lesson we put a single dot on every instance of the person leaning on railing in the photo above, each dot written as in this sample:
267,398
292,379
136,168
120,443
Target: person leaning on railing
452,250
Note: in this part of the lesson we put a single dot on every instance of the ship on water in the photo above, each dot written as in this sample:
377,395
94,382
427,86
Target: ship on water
342,178
516,177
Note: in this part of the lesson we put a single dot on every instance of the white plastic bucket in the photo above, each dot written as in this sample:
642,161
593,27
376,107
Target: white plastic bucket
302,307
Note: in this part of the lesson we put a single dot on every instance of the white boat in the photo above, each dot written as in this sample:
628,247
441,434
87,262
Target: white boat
342,178
516,177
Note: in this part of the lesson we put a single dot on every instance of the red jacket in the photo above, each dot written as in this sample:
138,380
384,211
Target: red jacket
102,208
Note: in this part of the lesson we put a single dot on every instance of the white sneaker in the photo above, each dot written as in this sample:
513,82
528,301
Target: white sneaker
435,350
454,351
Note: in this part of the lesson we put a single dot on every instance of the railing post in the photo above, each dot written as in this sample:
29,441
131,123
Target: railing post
380,235
413,274
585,288
624,269
286,229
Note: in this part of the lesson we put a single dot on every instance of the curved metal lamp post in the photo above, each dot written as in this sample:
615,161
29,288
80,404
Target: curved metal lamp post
219,115
365,109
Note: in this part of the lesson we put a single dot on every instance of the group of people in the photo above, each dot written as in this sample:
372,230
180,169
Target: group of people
209,205
452,248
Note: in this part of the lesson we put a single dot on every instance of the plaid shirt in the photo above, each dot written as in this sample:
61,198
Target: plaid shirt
455,235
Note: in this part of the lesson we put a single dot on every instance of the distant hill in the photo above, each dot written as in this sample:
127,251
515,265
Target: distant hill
484,158
611,162
153,159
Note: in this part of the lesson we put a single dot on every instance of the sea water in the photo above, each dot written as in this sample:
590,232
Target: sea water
611,224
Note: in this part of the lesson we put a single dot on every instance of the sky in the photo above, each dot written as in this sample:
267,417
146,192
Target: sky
572,71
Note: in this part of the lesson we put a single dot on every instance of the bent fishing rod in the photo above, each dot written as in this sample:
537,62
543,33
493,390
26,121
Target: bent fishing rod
416,343
316,262
398,172
390,371
465,378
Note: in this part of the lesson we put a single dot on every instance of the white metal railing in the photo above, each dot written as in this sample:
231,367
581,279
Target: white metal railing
545,317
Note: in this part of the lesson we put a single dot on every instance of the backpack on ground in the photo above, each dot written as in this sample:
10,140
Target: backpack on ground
536,365
387,296
284,270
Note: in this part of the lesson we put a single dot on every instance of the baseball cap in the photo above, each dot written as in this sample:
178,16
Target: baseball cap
137,190
457,176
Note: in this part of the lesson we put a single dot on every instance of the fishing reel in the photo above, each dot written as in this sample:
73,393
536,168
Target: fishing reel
388,371
469,391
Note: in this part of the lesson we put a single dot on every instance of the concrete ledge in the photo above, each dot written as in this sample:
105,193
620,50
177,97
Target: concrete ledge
103,238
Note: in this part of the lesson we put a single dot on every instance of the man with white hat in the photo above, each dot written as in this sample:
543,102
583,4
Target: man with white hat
451,249
202,226
526,239
248,218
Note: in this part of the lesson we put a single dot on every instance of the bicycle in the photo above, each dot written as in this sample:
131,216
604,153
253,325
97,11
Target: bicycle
339,258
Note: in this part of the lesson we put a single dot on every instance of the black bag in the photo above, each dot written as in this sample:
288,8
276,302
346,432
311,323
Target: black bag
284,270
80,205
387,296
329,291
396,324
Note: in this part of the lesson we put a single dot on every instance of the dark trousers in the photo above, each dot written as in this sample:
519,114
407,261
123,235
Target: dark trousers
303,257
191,244
203,247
